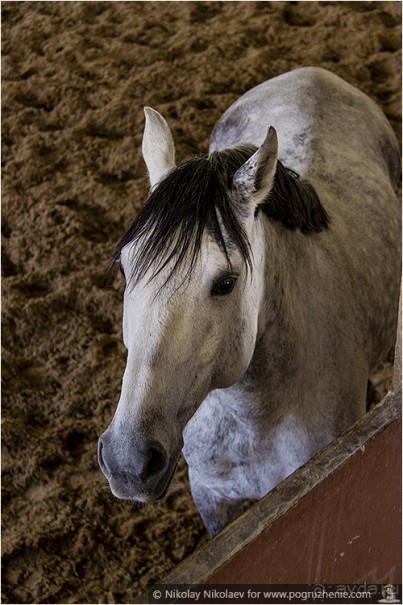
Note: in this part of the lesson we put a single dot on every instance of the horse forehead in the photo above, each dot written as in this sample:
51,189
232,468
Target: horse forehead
210,259
156,296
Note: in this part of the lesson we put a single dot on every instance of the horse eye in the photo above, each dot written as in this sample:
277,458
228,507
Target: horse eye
224,286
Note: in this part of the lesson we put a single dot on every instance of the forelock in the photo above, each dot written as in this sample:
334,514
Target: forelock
193,199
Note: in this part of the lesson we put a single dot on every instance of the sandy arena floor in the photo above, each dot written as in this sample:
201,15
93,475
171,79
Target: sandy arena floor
75,78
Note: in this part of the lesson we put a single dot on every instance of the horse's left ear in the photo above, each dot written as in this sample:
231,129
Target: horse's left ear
158,146
255,178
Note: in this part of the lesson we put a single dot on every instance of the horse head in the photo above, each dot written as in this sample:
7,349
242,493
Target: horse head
193,262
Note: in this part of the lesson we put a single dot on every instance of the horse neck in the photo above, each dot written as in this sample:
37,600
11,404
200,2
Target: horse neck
286,336
284,327
290,270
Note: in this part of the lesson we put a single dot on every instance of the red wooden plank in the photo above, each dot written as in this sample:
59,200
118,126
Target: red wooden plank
347,529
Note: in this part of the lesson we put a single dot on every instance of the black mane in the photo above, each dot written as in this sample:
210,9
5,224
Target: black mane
192,198
196,196
294,203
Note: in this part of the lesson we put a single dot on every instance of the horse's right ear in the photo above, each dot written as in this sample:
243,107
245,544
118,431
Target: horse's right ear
158,146
254,179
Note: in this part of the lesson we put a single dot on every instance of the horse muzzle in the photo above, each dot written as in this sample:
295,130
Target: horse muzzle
141,471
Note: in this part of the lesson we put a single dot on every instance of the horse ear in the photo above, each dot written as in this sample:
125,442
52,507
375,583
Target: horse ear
255,178
158,146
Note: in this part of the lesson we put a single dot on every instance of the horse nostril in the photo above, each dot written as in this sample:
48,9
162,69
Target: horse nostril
143,462
101,461
156,462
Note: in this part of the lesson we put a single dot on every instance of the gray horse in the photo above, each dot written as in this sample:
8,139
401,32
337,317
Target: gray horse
262,287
